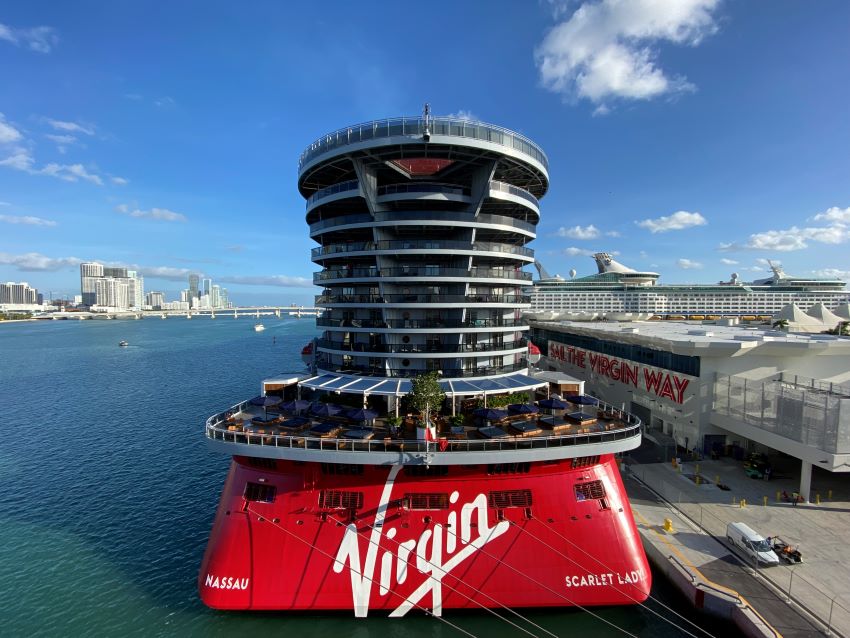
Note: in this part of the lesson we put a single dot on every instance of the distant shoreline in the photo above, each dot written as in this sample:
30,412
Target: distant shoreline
15,321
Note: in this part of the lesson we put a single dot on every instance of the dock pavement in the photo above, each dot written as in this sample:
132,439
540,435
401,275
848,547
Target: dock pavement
806,599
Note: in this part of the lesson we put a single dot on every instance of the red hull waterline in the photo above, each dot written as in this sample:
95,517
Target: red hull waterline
393,539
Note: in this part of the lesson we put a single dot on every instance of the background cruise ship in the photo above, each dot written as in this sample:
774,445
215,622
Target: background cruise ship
620,292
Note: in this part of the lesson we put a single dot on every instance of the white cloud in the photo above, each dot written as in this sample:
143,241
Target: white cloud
71,127
796,238
677,221
19,160
71,173
5,204
270,280
463,114
608,49
120,181
572,251
164,272
27,220
32,262
729,262
39,39
688,264
8,133
790,239
164,102
61,139
835,215
160,214
578,232
613,233
832,273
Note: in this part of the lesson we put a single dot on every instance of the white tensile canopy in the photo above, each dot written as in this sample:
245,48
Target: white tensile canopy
799,321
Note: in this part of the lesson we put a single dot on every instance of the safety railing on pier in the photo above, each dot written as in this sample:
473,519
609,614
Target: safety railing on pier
682,491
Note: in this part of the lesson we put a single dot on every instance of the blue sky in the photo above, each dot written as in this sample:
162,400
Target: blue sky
691,137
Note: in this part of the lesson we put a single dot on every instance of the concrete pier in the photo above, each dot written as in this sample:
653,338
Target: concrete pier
803,599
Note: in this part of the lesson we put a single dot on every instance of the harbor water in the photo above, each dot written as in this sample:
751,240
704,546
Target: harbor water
108,489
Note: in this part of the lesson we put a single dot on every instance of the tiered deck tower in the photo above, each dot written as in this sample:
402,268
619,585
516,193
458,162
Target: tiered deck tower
423,225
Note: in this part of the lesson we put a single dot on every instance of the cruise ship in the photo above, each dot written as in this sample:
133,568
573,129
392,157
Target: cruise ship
621,293
341,495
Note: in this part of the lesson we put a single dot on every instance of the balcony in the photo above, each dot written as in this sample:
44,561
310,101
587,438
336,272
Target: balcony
424,272
327,322
452,219
329,300
396,246
421,348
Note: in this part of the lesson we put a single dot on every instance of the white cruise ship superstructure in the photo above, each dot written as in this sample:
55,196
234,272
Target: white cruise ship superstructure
620,292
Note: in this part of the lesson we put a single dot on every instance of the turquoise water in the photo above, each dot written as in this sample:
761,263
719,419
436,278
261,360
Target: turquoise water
108,490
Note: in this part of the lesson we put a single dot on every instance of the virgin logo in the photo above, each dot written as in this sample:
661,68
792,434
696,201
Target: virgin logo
436,552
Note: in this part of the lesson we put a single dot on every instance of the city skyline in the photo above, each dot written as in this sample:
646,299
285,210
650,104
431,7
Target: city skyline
693,138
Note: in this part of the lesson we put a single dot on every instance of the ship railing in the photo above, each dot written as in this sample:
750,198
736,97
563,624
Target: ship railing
330,322
449,446
217,429
422,244
422,215
423,298
415,126
422,271
399,348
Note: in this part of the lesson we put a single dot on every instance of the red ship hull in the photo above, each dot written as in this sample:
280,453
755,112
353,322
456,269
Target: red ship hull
310,536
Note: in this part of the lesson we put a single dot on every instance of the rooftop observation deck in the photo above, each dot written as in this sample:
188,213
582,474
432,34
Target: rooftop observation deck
442,130
578,431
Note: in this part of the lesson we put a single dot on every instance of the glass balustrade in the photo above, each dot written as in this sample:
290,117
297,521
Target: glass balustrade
415,126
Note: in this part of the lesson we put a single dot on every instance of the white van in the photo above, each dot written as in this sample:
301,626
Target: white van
751,543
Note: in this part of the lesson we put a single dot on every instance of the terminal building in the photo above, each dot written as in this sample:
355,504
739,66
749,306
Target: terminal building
716,388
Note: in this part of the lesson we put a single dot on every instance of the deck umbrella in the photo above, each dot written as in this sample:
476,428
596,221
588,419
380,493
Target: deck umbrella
265,402
296,406
325,409
523,408
582,399
552,404
361,414
490,414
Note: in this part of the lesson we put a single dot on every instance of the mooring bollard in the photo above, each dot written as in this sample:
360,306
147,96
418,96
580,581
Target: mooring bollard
765,501
668,525
817,498
743,503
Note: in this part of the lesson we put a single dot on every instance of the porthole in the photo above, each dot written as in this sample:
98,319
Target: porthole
405,362
405,339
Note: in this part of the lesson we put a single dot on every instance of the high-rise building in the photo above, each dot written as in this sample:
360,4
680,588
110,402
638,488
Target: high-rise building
155,300
18,293
116,272
89,273
193,285
113,292
206,286
215,296
137,289
224,301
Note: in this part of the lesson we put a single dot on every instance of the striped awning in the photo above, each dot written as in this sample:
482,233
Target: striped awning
382,386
